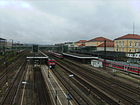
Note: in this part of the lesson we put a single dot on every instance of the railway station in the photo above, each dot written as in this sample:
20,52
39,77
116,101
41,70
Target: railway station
69,52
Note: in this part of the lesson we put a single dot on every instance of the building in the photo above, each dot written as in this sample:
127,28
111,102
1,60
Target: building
96,41
80,43
9,45
70,45
127,43
2,44
109,46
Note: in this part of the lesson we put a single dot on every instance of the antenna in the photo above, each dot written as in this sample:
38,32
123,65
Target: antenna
133,28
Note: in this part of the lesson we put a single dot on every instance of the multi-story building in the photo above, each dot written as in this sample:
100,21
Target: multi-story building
97,41
127,43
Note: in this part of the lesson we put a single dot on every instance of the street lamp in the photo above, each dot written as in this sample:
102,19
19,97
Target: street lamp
12,44
69,97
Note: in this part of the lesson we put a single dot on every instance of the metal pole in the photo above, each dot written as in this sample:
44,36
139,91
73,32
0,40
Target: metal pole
48,72
62,48
105,54
56,97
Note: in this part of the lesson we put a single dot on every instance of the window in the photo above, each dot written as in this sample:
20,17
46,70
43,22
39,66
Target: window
135,43
130,50
130,43
119,43
123,43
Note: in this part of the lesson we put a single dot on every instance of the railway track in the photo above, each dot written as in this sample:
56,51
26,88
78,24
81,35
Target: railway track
40,89
11,94
72,89
103,83
88,84
7,74
124,93
110,79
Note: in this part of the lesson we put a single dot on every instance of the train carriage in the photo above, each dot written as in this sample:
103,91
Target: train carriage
123,66
51,63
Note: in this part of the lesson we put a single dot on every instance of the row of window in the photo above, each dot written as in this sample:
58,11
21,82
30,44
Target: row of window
130,50
121,43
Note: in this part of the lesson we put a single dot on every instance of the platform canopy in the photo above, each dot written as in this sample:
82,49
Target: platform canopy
37,57
79,56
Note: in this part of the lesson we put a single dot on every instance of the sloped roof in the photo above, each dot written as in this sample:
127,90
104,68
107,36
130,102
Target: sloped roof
108,44
81,41
82,44
99,39
129,36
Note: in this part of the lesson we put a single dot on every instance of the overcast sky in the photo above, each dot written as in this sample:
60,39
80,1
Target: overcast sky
56,21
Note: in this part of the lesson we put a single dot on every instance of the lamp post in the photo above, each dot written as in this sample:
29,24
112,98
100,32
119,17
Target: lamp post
11,44
5,62
69,95
105,54
62,49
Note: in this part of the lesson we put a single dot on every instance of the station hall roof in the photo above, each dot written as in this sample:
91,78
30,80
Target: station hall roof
99,39
129,36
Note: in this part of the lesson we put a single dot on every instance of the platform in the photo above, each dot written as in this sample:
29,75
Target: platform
57,93
80,57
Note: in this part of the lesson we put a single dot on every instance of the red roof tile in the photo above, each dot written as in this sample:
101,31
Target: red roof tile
108,44
99,39
129,36
81,41
82,45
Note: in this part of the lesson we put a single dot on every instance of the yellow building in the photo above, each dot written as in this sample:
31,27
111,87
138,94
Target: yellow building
97,41
127,43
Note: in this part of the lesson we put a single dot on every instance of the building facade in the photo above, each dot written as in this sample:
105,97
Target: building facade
127,43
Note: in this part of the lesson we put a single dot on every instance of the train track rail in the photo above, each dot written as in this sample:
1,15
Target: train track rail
86,83
40,88
114,88
119,93
8,73
72,90
110,79
9,98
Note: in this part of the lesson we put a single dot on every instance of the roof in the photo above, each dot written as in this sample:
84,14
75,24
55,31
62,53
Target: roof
81,41
2,39
129,36
108,44
80,56
99,39
82,44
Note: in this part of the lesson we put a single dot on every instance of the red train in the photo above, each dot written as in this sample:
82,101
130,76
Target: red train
58,55
51,63
123,66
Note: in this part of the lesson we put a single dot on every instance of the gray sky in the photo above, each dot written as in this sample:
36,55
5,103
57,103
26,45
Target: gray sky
55,21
